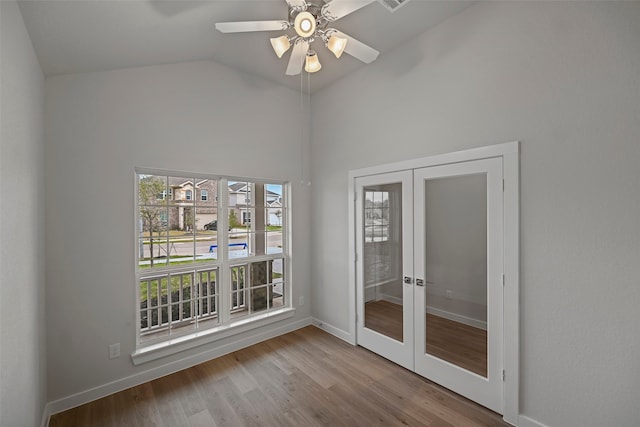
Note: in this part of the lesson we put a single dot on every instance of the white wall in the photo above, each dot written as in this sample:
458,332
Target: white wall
22,310
195,117
563,78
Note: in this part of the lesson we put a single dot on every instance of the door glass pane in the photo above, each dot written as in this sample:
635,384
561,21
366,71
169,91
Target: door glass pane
382,259
456,270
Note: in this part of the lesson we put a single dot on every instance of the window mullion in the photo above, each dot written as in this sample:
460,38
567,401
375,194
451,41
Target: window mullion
224,282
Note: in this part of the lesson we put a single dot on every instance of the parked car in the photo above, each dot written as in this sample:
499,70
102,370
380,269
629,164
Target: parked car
213,225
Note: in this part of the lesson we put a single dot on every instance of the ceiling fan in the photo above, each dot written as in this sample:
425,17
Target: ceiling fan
308,21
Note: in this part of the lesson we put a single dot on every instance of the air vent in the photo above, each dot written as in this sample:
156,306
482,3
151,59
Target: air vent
393,5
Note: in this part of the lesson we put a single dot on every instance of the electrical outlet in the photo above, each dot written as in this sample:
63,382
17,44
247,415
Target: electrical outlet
449,294
301,301
114,351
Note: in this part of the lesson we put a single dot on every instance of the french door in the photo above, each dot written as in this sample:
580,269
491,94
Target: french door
384,238
429,271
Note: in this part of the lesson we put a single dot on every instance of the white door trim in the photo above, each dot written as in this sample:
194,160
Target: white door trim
511,174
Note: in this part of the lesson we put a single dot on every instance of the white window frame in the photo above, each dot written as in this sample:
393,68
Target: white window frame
162,347
204,195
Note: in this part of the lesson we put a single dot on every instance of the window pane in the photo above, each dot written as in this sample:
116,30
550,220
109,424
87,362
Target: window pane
181,299
207,301
274,241
238,280
180,248
240,194
260,298
206,236
246,216
277,278
152,243
152,190
239,243
153,307
273,195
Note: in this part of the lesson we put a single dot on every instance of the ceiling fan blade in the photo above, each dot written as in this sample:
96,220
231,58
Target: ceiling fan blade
297,58
357,49
247,26
336,9
296,3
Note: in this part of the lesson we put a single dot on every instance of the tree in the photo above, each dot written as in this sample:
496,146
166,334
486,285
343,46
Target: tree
189,220
233,220
150,199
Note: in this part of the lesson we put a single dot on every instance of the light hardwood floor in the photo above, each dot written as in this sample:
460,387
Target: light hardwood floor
454,342
304,378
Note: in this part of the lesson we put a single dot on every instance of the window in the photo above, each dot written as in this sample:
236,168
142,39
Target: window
376,216
246,217
204,195
192,278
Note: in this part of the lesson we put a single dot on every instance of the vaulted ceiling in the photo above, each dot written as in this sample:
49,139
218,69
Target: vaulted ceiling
78,36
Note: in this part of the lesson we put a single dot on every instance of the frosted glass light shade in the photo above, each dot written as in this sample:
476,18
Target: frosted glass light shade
336,45
280,45
312,64
304,24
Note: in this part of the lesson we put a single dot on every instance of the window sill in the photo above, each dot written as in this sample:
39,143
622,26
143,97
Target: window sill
187,342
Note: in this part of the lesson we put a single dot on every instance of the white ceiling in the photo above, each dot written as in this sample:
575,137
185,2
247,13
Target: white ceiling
75,36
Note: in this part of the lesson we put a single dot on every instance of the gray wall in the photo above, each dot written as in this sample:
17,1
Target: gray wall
194,117
22,337
563,78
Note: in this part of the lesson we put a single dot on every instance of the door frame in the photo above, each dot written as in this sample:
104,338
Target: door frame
509,153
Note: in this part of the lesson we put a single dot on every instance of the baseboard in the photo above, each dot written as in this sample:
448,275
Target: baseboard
101,391
336,332
457,318
389,298
441,313
529,422
46,414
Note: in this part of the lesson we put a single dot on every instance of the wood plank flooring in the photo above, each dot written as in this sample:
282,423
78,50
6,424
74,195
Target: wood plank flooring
454,342
304,378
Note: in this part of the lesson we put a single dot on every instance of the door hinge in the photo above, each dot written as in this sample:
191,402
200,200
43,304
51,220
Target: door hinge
503,375
503,185
502,279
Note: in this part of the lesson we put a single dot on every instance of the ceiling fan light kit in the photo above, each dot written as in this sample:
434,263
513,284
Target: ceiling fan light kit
336,45
312,64
305,24
309,22
281,45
